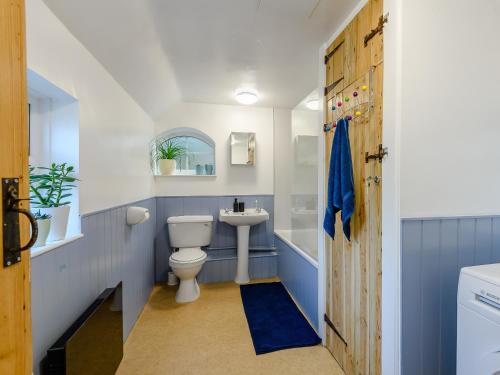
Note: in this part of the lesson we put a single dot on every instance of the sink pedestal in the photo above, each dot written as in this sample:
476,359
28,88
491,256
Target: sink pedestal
242,276
243,221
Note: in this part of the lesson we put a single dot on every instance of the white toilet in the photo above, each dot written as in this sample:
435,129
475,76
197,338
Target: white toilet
188,234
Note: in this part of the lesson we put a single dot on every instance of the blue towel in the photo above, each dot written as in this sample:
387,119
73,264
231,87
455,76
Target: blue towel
340,182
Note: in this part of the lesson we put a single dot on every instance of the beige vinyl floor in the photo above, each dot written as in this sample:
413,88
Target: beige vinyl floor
209,337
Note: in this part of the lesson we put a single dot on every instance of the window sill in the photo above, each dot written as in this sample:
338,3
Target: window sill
186,175
36,251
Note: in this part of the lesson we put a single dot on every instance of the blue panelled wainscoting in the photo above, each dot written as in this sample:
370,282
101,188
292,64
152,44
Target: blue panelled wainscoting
433,252
66,280
300,277
221,262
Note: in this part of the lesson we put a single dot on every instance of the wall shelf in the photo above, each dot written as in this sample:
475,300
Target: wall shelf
186,175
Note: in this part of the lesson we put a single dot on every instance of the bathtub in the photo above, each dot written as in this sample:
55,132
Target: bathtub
302,241
298,269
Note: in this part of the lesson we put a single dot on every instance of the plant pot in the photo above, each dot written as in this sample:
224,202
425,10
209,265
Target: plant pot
167,166
59,224
43,232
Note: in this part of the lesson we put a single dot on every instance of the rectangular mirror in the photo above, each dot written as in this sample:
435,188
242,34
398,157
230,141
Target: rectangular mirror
242,148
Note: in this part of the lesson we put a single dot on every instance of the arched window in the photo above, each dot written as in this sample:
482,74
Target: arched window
183,152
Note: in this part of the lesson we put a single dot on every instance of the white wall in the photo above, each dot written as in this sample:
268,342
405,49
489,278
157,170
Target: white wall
218,121
114,130
54,134
40,139
450,102
440,101
391,222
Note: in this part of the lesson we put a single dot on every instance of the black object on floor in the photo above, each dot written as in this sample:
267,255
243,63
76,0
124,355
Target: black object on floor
274,320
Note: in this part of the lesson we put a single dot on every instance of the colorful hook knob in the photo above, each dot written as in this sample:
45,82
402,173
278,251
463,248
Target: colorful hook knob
358,113
339,104
334,124
349,118
346,99
355,93
334,108
364,87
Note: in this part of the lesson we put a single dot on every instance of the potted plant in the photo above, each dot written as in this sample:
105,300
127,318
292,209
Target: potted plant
43,221
166,153
49,192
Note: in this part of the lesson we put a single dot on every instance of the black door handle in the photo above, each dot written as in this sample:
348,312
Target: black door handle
34,227
11,235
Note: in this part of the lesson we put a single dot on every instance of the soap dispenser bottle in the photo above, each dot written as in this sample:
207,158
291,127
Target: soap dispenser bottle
235,205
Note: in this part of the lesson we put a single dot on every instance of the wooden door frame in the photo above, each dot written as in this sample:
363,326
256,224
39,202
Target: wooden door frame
16,345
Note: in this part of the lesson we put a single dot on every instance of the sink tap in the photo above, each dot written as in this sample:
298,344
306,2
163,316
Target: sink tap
257,208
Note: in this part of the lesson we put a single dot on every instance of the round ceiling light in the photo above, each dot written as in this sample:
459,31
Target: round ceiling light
247,97
313,104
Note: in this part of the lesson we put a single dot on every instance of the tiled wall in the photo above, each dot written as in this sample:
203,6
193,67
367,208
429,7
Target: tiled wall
433,252
66,280
223,246
300,278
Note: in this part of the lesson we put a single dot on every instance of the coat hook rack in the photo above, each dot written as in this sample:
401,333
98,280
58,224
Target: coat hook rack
350,108
378,30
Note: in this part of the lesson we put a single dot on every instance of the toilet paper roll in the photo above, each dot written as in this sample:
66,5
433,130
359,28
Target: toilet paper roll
137,215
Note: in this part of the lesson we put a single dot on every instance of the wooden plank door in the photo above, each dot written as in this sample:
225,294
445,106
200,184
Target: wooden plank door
15,320
353,268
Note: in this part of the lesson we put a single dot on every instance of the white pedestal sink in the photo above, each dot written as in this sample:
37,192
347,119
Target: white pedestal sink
243,221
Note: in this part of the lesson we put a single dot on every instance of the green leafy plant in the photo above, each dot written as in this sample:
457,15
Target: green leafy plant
168,149
39,216
53,186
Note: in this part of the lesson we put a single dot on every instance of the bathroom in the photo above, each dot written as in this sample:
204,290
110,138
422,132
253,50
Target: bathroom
177,162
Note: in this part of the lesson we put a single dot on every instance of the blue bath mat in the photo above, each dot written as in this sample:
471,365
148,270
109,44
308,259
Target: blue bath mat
274,320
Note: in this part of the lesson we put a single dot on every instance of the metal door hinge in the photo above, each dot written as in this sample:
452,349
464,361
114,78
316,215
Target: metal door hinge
330,55
381,153
335,330
378,30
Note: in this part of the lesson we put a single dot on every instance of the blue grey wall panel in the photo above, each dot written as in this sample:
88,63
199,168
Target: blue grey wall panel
300,278
223,235
262,264
66,280
433,252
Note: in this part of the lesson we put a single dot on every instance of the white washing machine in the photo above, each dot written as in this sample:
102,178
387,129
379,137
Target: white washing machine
478,321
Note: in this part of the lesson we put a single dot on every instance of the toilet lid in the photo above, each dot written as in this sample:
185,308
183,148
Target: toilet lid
187,255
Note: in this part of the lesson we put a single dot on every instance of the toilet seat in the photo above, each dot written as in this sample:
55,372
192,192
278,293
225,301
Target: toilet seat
188,255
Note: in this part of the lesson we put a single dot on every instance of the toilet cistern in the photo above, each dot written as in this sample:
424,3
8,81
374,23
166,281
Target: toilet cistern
242,221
